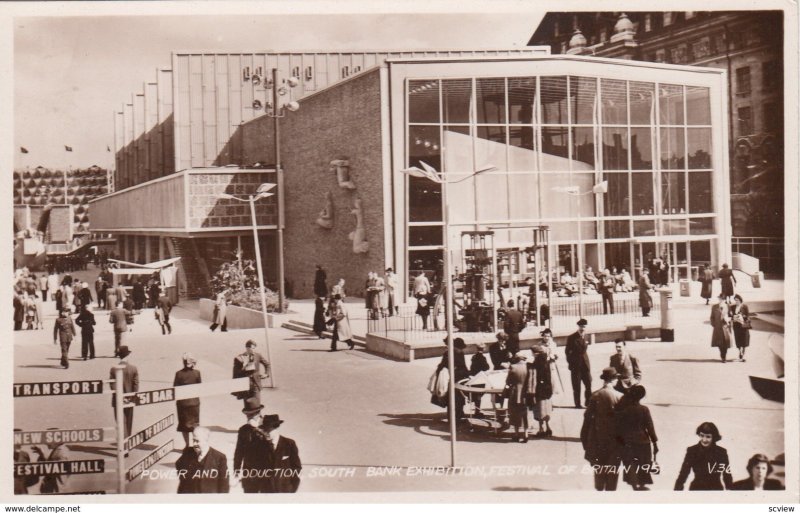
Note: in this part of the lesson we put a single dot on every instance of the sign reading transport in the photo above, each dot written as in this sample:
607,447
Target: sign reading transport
94,386
149,460
149,432
154,396
60,436
59,468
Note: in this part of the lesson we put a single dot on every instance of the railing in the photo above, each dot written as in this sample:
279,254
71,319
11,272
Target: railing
406,325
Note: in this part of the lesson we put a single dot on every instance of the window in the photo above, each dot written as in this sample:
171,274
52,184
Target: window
745,115
743,80
345,71
456,96
423,101
296,72
309,73
700,194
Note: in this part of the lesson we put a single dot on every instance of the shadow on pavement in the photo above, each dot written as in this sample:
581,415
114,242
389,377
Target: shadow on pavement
517,489
433,424
690,360
39,366
220,429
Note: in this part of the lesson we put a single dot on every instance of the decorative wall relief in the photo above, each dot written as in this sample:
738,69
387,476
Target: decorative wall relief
325,218
359,236
342,168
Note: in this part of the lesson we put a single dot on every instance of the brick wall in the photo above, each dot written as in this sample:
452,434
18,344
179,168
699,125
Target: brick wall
341,122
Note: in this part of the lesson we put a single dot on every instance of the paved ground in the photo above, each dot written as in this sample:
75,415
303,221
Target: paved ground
350,411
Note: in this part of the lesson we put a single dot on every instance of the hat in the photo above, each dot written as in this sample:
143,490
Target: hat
545,331
188,358
389,270
252,407
271,421
481,347
608,374
583,322
123,351
637,392
537,349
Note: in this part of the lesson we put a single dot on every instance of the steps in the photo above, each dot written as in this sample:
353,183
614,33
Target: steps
193,280
304,327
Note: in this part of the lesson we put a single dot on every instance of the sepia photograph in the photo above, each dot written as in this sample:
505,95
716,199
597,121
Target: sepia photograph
523,251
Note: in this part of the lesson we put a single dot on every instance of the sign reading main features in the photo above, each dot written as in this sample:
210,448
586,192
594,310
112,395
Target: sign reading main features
94,386
149,460
154,396
59,468
149,432
60,436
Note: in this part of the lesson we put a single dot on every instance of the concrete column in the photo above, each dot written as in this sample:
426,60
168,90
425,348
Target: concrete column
148,242
162,250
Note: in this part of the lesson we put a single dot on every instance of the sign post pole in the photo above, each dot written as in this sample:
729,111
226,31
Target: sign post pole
118,410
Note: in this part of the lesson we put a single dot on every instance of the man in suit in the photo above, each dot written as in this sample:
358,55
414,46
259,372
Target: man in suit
599,434
201,468
163,309
627,367
284,461
578,363
391,289
99,290
251,453
606,286
118,318
645,301
130,383
512,325
248,364
63,332
86,321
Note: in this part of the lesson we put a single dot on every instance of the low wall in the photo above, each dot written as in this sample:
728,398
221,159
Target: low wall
239,318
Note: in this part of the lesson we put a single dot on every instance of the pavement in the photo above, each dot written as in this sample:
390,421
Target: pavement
365,424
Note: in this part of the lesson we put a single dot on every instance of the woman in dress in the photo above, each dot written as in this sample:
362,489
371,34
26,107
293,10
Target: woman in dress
220,313
188,409
319,317
542,381
721,336
342,325
518,386
707,279
635,426
708,461
740,319
727,279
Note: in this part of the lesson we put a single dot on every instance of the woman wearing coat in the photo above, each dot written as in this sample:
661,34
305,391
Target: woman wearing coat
542,381
635,426
727,280
518,388
740,319
721,336
188,409
707,279
220,313
460,372
708,461
319,317
341,321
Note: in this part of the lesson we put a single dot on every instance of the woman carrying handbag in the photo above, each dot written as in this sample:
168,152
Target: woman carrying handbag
740,317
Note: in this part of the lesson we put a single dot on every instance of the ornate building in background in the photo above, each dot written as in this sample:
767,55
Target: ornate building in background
749,46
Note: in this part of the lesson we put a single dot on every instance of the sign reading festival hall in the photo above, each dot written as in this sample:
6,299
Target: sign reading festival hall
94,386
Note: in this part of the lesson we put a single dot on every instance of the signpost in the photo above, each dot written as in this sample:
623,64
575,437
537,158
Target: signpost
154,396
149,460
149,432
43,468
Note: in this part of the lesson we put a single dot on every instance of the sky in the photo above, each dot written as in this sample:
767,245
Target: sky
72,72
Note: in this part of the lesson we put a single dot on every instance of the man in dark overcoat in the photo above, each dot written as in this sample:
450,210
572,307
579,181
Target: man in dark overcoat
599,434
201,468
251,454
130,383
284,460
513,324
578,363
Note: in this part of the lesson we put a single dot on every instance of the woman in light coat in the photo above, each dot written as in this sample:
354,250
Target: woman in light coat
342,325
721,337
220,313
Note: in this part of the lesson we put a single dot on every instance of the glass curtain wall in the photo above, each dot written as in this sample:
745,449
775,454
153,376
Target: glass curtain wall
651,142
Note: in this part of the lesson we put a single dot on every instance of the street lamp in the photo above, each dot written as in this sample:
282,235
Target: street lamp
261,192
574,190
431,174
276,112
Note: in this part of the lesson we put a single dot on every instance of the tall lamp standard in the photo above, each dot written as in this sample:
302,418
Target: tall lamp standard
431,174
261,192
574,190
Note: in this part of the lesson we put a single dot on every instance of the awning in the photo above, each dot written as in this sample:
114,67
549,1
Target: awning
153,266
138,270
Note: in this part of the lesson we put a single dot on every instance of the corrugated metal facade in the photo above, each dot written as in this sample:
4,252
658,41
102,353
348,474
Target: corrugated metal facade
203,100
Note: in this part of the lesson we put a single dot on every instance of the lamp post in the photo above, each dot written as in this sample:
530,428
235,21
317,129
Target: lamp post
574,190
431,174
277,111
261,192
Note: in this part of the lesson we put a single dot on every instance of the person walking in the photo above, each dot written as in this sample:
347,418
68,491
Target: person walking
111,297
163,309
138,295
758,469
154,291
43,286
519,390
130,383
341,321
53,281
727,280
248,364
99,291
319,317
63,333
250,457
707,461
513,323
626,365
284,458
721,336
220,316
578,362
392,302
84,296
320,282
635,427
118,319
707,279
740,320
188,409
599,435
645,301
607,291
201,468
542,382
461,372
87,323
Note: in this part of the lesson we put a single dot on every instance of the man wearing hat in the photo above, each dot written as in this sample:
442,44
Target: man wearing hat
599,433
63,332
284,460
498,352
578,362
514,323
390,279
130,383
248,365
252,452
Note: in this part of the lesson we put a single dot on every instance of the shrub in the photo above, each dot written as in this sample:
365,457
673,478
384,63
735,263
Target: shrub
241,284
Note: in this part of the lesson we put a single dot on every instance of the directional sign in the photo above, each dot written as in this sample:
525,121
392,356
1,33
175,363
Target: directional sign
149,460
154,396
59,468
60,436
212,388
94,386
149,432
